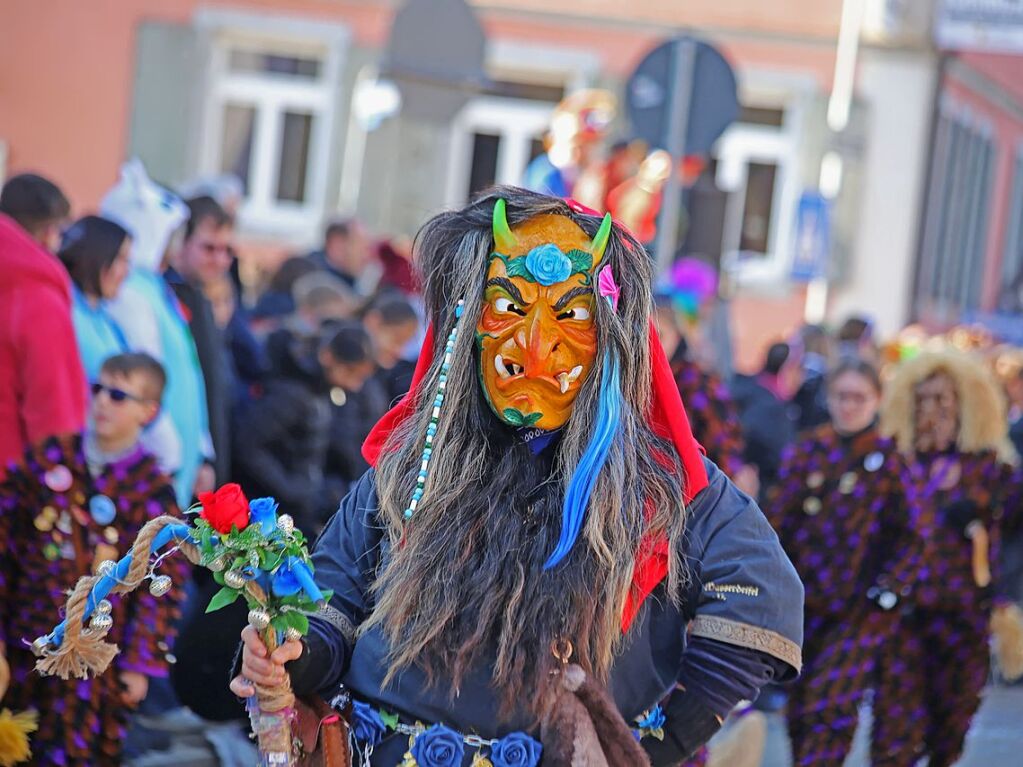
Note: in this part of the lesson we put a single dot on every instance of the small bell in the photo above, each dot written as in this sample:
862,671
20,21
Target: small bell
218,564
103,607
286,524
292,634
259,619
234,579
101,624
106,568
40,646
160,585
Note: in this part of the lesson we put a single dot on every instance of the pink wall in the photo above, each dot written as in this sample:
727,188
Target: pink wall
67,68
1008,136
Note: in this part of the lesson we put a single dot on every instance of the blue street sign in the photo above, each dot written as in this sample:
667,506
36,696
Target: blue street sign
813,238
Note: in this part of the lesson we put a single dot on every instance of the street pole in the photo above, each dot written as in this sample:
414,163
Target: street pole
683,55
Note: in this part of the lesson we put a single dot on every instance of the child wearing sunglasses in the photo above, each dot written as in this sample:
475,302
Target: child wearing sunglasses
74,502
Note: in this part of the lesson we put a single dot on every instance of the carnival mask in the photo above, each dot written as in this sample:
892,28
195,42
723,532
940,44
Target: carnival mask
536,335
937,413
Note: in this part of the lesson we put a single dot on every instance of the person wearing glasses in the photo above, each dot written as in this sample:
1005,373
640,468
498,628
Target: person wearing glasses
841,513
204,258
73,502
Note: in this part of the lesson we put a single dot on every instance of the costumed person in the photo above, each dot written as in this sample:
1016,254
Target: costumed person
73,502
712,413
842,516
154,322
540,525
573,165
948,418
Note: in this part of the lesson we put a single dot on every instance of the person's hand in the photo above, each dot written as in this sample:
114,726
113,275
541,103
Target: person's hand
205,480
257,668
136,686
748,480
5,671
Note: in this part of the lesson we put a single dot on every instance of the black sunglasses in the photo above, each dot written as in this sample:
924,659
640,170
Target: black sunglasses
116,395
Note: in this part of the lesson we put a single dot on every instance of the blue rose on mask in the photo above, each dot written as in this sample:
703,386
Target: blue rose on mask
548,264
367,725
263,512
439,746
516,750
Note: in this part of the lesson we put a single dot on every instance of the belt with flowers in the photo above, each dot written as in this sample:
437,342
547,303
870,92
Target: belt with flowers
440,746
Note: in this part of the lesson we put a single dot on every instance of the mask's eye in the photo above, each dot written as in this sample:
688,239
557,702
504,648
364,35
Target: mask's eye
505,306
578,313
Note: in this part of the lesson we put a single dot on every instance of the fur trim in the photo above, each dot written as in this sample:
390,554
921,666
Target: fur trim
983,424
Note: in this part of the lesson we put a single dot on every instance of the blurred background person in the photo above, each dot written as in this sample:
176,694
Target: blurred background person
42,383
152,320
392,324
203,258
842,515
357,402
95,253
346,253
765,409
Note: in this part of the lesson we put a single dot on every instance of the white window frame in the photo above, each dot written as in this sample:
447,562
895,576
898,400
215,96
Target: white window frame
742,144
273,95
516,121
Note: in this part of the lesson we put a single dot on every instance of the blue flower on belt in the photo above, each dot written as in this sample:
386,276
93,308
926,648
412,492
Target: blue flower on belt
548,264
651,723
367,724
516,750
439,746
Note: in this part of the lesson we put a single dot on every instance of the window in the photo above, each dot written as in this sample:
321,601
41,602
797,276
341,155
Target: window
269,113
954,245
756,164
1012,260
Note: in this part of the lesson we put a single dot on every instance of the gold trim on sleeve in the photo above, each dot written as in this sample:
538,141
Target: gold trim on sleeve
744,635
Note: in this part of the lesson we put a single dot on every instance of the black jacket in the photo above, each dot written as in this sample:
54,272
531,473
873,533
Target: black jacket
767,425
281,435
215,361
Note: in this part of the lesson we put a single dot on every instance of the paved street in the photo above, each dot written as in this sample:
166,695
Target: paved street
996,739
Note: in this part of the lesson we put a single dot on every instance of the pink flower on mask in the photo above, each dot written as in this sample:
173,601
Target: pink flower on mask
607,287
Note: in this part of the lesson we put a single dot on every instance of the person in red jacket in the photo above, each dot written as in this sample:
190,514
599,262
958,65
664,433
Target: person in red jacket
42,384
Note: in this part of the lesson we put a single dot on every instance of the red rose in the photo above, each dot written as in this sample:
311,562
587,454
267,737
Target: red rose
225,508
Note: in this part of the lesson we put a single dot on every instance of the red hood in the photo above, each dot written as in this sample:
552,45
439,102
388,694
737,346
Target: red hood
23,261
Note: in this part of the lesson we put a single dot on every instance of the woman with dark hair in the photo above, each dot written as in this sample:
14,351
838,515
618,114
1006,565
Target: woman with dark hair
841,514
95,252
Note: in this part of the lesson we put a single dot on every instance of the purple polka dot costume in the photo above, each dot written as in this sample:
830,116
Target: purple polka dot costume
840,512
56,520
931,680
712,414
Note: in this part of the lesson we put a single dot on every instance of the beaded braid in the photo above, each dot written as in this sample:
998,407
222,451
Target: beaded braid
431,430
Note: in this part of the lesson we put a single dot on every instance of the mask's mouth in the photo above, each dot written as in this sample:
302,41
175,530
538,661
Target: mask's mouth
508,370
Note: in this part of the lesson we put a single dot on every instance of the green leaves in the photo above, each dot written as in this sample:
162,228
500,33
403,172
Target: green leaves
516,418
223,598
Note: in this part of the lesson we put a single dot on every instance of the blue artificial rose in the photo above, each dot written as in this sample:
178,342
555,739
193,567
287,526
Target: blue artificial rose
369,728
548,264
439,746
516,750
653,719
263,512
285,581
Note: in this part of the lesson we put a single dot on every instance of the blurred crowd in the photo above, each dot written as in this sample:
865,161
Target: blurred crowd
138,335
273,385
